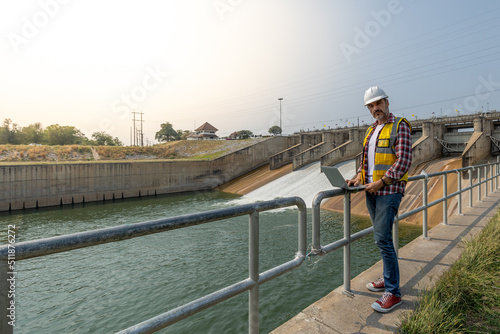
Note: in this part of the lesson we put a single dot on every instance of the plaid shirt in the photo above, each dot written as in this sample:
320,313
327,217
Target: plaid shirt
403,159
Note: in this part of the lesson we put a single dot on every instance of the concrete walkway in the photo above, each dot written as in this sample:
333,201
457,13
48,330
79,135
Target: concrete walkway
421,263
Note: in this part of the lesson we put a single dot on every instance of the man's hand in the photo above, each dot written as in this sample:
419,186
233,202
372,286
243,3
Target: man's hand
374,186
354,182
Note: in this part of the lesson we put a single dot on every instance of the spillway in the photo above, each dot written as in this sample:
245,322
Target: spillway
305,182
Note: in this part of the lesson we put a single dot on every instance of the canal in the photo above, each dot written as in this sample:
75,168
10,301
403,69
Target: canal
110,287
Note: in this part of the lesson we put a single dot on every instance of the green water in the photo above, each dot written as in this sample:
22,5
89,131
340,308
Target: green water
110,287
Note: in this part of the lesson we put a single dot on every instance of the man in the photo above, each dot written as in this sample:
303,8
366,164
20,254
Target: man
384,169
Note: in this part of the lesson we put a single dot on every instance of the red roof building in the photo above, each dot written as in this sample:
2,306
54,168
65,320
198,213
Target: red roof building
206,131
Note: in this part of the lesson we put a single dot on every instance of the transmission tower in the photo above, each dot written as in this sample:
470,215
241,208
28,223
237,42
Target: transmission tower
137,132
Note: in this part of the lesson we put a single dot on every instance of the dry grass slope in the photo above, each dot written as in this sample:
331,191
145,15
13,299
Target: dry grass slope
182,149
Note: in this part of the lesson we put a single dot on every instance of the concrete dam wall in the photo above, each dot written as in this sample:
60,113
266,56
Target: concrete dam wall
474,137
27,186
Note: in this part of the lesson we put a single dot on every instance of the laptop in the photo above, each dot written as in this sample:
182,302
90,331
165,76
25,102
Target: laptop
337,180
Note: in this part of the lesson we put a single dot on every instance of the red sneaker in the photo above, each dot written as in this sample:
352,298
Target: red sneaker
386,303
376,286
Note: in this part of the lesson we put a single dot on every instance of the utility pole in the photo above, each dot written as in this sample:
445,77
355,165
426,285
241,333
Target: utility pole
138,134
142,133
134,126
281,129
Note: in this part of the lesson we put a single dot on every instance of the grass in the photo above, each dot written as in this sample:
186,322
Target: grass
210,156
21,153
466,299
178,150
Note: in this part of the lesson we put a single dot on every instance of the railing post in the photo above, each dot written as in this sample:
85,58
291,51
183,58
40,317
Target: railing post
425,201
303,231
459,181
347,236
479,184
445,202
485,181
316,234
493,176
490,169
253,245
498,168
496,175
470,186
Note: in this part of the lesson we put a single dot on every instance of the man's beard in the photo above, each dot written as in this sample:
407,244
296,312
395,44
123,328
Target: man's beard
380,114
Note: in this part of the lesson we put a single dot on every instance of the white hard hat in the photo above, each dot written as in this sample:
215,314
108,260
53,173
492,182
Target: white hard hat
373,94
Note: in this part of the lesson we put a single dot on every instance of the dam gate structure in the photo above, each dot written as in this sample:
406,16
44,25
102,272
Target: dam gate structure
43,247
474,137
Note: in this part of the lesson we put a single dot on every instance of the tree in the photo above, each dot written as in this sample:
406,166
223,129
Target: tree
32,133
9,133
56,134
183,134
275,130
167,133
245,134
104,139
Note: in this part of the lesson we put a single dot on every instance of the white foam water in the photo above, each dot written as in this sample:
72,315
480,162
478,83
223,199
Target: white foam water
305,182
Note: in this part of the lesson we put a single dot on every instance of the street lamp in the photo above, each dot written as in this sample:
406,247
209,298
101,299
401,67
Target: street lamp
281,129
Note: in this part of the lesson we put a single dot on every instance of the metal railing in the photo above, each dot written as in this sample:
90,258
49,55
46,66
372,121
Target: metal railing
345,242
47,246
42,247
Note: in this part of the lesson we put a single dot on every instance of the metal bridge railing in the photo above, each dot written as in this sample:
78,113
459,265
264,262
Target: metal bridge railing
42,247
47,246
491,169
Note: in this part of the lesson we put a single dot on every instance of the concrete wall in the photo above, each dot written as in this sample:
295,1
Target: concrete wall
427,147
346,151
315,152
479,145
305,141
310,155
31,186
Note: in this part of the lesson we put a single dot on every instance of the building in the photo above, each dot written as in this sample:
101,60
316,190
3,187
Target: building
206,131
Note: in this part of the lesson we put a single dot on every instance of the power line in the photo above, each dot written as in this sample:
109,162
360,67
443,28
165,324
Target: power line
385,56
378,62
138,134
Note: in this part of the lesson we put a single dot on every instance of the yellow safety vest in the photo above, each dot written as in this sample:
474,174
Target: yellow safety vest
385,152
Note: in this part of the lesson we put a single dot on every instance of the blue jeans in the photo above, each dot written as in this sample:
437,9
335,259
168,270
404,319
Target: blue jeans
383,210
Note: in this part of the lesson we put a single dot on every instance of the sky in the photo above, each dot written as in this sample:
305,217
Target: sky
97,64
